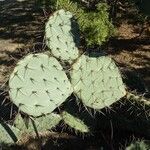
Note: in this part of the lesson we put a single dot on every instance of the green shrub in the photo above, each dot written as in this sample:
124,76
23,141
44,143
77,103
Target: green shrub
95,25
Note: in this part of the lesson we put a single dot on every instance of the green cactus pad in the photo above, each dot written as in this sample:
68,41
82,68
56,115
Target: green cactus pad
138,145
62,35
9,134
97,81
38,84
20,123
75,122
79,115
42,123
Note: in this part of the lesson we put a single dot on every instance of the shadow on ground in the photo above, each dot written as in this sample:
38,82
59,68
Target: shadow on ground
133,56
21,21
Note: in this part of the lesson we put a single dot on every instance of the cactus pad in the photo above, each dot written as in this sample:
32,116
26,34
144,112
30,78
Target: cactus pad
75,122
138,145
9,134
97,81
38,84
62,35
42,123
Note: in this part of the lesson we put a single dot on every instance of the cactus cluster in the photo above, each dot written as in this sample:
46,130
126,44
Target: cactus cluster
39,84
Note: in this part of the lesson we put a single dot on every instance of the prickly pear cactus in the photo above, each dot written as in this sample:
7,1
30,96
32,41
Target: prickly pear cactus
75,123
78,118
97,81
9,134
62,35
138,145
38,84
42,123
